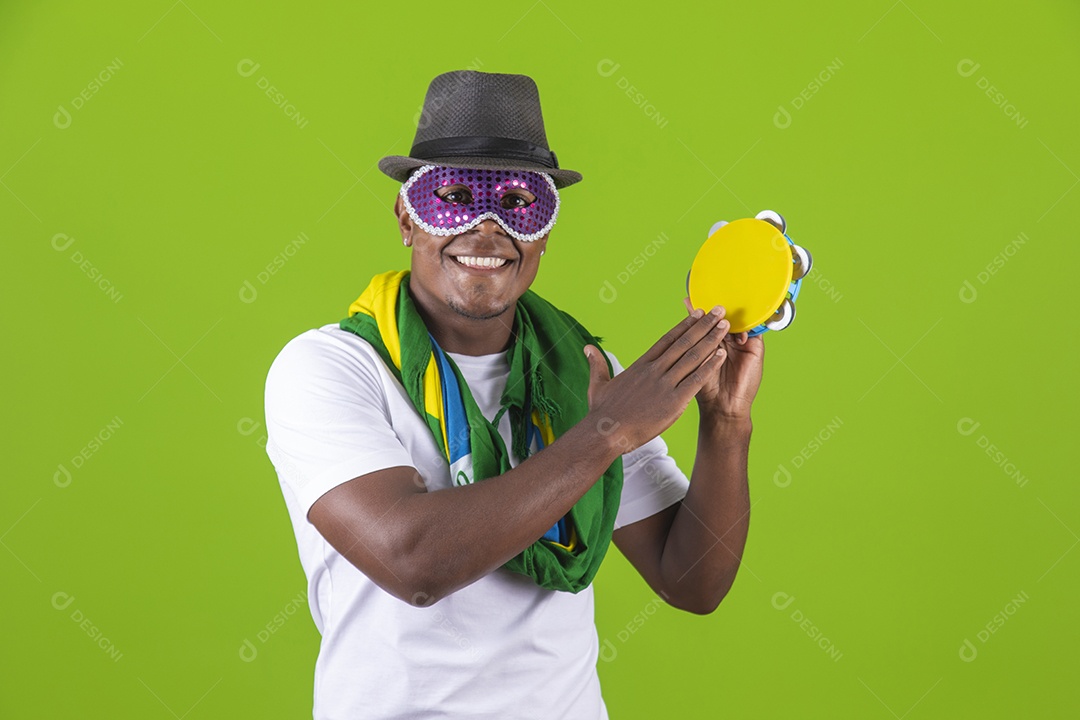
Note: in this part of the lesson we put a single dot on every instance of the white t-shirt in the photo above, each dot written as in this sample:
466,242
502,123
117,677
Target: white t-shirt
501,647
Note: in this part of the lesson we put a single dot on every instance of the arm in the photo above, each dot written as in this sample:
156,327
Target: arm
690,552
422,546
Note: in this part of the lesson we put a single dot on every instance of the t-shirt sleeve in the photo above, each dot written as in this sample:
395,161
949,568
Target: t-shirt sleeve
326,417
652,481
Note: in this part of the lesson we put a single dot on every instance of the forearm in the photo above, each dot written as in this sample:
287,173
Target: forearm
455,536
705,544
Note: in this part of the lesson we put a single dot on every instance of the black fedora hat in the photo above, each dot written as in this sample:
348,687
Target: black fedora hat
481,120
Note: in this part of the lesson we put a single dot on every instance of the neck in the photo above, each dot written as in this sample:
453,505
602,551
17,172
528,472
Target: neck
461,334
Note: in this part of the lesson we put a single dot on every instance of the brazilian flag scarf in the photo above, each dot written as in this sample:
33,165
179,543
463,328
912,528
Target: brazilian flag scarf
546,394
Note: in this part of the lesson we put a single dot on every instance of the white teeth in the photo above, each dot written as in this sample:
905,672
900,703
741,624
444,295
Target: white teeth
481,261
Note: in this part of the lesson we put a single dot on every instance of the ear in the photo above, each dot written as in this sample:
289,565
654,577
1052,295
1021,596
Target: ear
405,224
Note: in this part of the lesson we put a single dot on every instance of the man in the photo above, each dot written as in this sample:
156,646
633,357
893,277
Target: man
456,455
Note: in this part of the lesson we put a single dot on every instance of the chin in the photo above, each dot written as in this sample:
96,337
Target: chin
477,311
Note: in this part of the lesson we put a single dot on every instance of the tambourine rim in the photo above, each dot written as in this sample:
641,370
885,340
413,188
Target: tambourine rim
782,291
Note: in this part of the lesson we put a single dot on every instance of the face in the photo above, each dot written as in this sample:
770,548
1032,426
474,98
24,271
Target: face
478,272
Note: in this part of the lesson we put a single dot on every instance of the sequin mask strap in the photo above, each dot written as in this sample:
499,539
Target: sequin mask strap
502,195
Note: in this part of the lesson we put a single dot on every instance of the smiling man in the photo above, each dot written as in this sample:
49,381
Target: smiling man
458,454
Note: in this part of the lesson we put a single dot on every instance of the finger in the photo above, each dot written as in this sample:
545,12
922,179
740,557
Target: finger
598,369
742,337
689,307
694,356
708,369
671,336
598,373
689,339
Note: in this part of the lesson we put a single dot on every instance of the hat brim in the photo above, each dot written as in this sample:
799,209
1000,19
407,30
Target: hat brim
400,167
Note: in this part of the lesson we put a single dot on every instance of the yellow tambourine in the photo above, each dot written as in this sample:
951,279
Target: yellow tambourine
753,269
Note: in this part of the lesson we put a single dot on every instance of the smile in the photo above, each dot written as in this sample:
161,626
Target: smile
486,264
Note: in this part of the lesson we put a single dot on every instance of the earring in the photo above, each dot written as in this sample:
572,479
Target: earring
542,252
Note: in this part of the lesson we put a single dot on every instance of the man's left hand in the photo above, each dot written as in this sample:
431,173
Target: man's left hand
729,394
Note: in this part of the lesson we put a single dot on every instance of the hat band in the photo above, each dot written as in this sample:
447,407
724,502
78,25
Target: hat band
485,146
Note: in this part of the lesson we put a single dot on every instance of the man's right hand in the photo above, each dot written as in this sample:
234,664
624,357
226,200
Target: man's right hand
648,397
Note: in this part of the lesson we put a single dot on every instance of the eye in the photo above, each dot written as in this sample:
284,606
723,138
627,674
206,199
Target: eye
454,194
517,199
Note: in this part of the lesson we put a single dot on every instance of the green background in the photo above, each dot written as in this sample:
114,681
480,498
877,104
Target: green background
887,525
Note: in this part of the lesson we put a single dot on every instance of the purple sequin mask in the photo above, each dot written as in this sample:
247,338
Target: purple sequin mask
502,195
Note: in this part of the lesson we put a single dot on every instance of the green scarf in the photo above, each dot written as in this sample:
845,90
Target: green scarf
548,385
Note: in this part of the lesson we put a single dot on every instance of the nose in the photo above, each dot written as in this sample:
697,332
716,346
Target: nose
489,226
